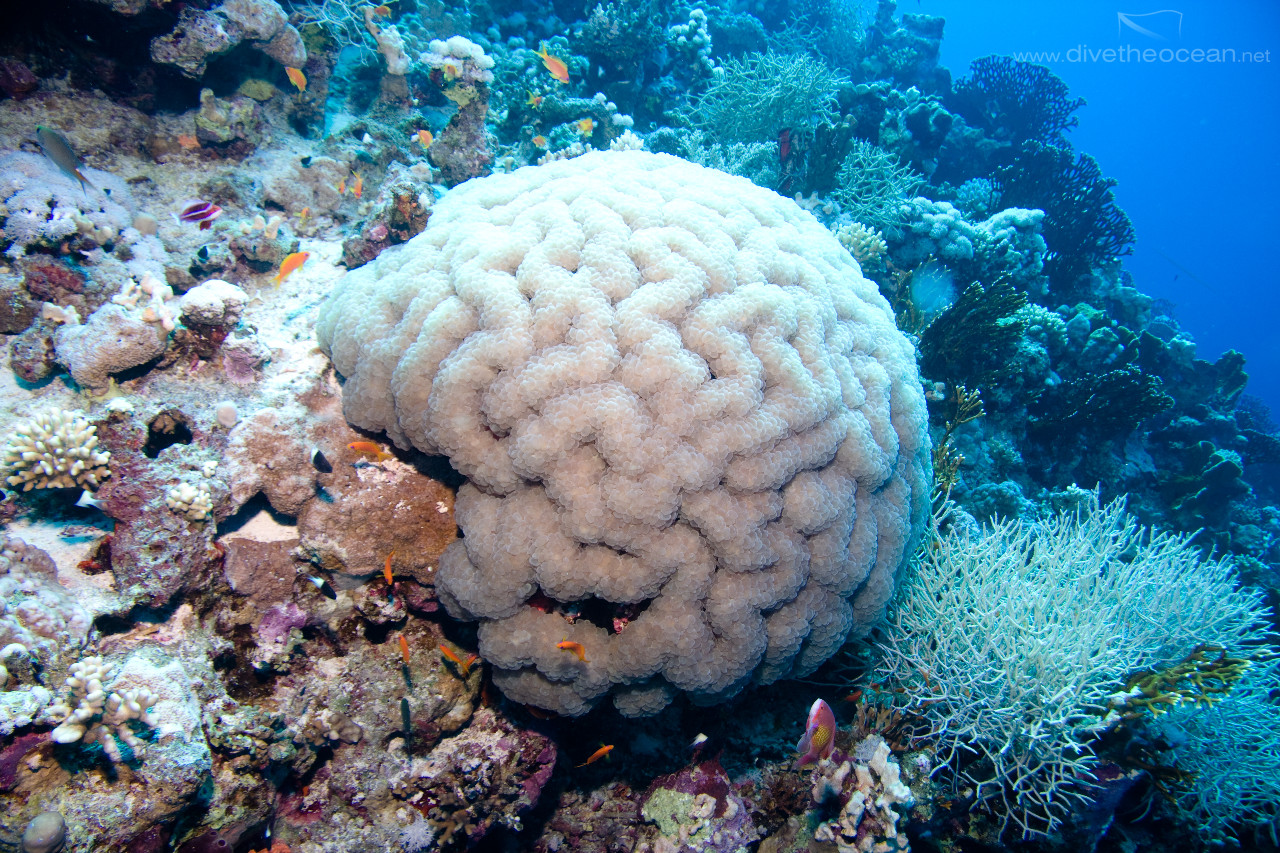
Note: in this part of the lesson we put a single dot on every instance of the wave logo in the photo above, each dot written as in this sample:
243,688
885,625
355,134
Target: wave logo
1157,25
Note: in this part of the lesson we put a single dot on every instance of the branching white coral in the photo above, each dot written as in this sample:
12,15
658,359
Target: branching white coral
57,449
195,502
99,716
1012,641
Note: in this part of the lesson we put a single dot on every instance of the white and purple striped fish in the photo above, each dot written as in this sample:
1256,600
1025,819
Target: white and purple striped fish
203,212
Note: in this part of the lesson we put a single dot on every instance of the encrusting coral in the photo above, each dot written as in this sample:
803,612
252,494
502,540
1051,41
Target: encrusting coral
681,409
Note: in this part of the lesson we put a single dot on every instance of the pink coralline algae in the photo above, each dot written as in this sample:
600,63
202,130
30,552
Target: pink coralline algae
16,79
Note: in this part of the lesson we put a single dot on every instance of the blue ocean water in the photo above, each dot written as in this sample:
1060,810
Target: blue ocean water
1191,141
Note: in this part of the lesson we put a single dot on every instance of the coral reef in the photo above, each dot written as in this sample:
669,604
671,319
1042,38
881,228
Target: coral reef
201,35
686,445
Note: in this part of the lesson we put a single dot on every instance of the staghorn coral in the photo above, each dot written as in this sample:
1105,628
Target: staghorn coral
755,97
679,405
56,449
1065,610
873,187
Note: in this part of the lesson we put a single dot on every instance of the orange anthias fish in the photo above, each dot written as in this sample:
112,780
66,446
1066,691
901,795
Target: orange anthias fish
597,755
533,100
297,78
586,126
383,11
554,64
302,216
188,142
577,648
368,448
386,569
464,665
540,141
425,138
342,187
358,187
290,265
404,649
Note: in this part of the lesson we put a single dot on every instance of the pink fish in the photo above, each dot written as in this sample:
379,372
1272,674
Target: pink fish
203,212
819,739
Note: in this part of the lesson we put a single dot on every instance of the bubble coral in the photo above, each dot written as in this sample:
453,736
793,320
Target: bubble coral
683,412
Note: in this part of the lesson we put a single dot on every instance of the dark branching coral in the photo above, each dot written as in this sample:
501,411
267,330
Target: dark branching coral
1015,101
974,339
1099,405
904,49
620,33
1202,678
1083,224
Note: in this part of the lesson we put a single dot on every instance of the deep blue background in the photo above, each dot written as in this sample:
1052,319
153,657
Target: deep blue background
1194,147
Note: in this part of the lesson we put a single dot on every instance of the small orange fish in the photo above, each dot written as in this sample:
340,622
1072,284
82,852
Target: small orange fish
302,216
291,263
342,187
383,11
464,665
577,648
451,71
358,187
425,138
368,448
554,64
597,755
386,569
297,78
540,141
586,126
404,649
187,141
533,100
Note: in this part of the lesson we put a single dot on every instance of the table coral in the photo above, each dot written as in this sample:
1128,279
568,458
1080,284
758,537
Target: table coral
678,403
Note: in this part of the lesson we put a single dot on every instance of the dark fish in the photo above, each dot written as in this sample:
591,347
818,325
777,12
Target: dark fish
323,585
56,147
321,462
203,212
